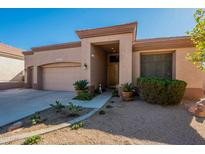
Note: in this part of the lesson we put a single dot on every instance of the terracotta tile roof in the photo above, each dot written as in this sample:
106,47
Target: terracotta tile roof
7,49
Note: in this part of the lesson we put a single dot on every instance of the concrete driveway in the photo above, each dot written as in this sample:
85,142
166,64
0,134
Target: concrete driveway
18,103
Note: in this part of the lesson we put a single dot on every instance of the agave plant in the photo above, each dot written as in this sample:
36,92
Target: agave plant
81,85
36,118
127,87
74,109
58,106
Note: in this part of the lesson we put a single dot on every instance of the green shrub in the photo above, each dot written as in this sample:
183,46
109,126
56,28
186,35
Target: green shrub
97,92
81,85
127,87
101,112
77,125
115,93
84,96
74,109
109,106
58,106
36,118
161,91
32,140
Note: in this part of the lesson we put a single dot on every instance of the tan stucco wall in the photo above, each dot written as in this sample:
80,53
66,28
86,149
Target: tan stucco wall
129,64
52,56
182,69
11,69
186,71
98,67
136,61
125,68
28,60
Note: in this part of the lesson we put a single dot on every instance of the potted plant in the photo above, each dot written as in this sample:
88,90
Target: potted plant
80,86
127,91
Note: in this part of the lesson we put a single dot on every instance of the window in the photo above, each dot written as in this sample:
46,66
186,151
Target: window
158,65
114,59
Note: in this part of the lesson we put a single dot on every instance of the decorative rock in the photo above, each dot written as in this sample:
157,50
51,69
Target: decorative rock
15,126
198,109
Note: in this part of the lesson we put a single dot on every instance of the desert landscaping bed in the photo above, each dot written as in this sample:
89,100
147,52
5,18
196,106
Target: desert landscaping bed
48,118
135,122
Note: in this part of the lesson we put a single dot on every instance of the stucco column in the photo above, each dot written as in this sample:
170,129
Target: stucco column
35,77
125,72
86,60
27,78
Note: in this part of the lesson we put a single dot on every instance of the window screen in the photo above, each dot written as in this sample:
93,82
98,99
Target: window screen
158,65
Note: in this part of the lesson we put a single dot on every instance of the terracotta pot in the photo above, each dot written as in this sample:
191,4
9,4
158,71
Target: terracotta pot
127,96
78,92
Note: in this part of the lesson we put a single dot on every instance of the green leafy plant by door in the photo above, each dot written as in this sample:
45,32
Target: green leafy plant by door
81,85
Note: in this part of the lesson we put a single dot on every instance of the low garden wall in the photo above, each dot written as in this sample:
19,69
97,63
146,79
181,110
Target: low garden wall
10,85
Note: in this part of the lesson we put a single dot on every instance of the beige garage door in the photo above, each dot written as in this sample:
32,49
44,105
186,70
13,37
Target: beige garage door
60,78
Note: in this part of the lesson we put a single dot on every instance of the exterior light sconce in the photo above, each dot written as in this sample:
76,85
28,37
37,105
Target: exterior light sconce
85,66
92,55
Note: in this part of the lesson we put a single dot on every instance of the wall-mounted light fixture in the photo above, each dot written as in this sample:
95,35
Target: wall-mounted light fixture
85,66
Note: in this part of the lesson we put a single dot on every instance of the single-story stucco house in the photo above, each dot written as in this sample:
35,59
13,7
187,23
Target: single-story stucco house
111,56
11,66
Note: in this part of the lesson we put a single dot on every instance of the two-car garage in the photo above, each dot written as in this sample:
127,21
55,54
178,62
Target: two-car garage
60,76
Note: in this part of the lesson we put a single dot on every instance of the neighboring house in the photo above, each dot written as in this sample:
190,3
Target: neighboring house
11,67
112,56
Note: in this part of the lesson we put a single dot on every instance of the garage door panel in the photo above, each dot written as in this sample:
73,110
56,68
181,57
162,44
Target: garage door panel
60,78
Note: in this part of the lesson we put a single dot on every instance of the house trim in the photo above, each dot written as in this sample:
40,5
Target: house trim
57,46
8,55
162,43
111,30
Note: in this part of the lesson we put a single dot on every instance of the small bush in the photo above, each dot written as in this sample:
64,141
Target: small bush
32,140
112,102
115,93
161,91
127,87
81,85
101,112
109,106
74,109
58,106
84,96
77,125
36,118
97,92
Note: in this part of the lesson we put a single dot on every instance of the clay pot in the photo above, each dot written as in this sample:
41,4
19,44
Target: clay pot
127,96
78,92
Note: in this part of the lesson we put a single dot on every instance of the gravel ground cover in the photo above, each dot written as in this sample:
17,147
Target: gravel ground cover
135,122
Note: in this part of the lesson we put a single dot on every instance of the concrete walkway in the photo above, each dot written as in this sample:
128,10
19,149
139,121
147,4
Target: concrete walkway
19,103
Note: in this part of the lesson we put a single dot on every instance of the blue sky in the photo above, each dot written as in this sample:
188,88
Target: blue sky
26,28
